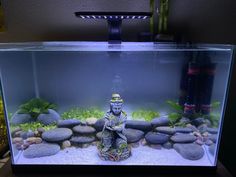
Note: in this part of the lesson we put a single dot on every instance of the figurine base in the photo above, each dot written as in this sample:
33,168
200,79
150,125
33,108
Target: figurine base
115,154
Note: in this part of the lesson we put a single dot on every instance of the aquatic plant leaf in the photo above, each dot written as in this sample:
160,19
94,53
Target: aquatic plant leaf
23,111
175,106
180,124
215,104
36,110
174,117
214,118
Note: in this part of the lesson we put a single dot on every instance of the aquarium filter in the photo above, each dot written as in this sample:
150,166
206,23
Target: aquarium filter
199,80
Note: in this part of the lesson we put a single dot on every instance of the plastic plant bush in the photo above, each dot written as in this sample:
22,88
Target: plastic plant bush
36,106
175,116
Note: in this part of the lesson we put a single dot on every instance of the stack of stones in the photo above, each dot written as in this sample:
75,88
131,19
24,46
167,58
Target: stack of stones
187,141
205,134
68,132
22,139
83,135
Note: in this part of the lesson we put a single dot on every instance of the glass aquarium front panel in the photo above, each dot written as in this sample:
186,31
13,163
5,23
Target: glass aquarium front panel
127,104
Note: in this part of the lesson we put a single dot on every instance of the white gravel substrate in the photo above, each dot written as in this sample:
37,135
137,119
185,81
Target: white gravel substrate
142,155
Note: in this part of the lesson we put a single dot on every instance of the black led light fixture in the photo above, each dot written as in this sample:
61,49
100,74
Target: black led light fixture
114,20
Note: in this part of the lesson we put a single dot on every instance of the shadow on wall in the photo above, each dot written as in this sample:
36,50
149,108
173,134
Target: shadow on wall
47,21
204,21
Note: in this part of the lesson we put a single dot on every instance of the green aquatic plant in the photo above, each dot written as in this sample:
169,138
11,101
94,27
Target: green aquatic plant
147,115
33,126
177,124
174,120
83,113
214,116
36,106
9,114
175,106
178,114
215,104
215,119
174,117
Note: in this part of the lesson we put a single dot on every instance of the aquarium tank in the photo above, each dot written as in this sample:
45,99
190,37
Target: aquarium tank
128,104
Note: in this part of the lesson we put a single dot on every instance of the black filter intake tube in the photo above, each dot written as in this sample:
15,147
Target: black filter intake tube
207,86
190,104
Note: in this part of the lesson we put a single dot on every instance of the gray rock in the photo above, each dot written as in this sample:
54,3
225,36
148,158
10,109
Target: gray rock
189,151
212,130
208,122
17,140
156,138
83,122
84,129
160,121
167,145
185,120
212,149
30,134
18,129
208,142
139,125
183,138
99,125
198,121
202,128
133,135
21,119
23,135
99,135
166,130
155,146
193,127
51,118
82,139
41,150
57,135
183,130
213,138
18,134
91,121
40,130
134,145
69,123
66,144
199,142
